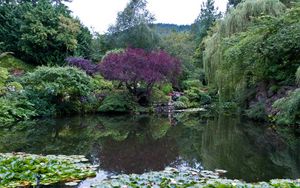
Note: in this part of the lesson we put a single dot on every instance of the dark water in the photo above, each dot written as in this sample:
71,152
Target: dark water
137,144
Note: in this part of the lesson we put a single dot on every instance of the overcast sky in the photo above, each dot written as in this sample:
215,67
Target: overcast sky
99,14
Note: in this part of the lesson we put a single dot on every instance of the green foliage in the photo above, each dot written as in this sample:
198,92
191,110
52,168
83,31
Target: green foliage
191,83
3,75
257,112
158,96
240,18
178,105
208,15
57,90
84,41
132,27
181,45
99,46
255,42
41,33
20,170
165,29
101,84
182,103
15,108
289,109
197,97
13,64
171,177
275,60
184,99
134,14
167,88
121,102
237,20
14,87
113,51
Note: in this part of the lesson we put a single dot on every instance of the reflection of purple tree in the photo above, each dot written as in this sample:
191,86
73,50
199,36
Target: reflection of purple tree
135,156
136,67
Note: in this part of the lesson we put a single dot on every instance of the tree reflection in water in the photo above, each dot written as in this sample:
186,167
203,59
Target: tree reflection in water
136,144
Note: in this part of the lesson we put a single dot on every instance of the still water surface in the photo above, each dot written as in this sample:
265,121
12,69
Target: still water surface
137,144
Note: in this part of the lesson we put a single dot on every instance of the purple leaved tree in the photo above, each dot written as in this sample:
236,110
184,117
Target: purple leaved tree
137,69
83,64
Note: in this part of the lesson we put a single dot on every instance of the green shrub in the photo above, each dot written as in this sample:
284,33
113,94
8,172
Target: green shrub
184,99
197,97
91,104
180,105
205,98
101,84
57,90
192,83
113,51
257,112
3,77
14,87
118,102
167,88
158,96
15,108
289,109
12,63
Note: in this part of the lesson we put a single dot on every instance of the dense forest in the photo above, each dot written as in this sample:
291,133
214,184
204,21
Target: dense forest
242,62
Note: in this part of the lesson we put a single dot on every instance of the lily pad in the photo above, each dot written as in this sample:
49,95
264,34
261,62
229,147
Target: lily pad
23,170
177,178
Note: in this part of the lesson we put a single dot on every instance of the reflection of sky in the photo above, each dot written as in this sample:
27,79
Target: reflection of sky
179,163
182,164
101,175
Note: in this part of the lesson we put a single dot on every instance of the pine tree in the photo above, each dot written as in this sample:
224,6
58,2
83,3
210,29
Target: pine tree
208,15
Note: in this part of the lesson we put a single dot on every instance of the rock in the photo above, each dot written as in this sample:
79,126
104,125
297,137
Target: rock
220,171
71,184
191,110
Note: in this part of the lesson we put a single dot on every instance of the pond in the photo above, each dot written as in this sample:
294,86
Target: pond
136,144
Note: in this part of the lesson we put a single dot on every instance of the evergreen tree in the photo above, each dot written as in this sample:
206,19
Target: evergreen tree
208,15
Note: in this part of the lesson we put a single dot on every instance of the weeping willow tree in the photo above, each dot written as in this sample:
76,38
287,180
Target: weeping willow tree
221,73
